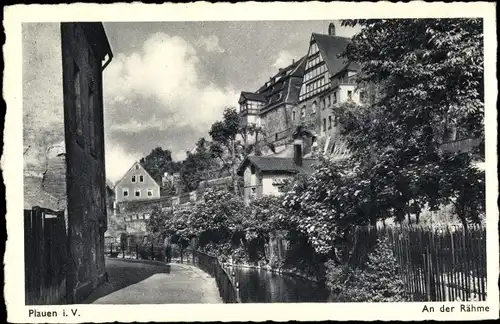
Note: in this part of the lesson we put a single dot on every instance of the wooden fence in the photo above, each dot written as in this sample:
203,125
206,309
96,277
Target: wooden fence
445,263
45,247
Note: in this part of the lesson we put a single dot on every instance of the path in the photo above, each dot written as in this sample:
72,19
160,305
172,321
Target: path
152,282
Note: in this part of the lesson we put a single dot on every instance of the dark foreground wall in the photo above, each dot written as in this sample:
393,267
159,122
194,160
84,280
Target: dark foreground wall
84,47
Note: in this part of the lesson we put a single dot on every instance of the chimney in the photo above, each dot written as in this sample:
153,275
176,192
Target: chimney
297,151
293,61
331,29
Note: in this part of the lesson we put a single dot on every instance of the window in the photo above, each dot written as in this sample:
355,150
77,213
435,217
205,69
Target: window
293,115
324,125
137,167
328,100
150,192
362,96
303,112
133,178
147,216
137,192
125,192
314,107
253,192
334,99
141,178
349,95
323,103
276,136
252,169
330,122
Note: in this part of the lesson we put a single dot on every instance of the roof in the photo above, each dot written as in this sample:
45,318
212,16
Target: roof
283,87
252,96
277,164
133,165
97,36
330,48
110,184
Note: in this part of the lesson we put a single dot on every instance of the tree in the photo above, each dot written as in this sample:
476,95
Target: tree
197,166
226,145
427,88
158,162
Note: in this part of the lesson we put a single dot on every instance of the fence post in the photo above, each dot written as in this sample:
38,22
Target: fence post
152,251
111,250
123,251
136,251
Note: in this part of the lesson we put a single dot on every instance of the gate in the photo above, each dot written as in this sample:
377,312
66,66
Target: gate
45,246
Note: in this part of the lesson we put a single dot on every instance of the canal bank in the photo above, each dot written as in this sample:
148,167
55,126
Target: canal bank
260,285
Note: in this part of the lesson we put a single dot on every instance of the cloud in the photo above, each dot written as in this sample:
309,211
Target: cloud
210,44
283,60
166,72
118,161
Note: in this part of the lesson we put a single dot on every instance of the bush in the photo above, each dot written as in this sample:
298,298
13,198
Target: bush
376,281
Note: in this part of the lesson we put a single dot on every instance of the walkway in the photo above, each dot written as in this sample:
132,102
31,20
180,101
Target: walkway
152,282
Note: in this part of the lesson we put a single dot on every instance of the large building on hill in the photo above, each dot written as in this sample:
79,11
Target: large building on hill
270,107
136,184
305,93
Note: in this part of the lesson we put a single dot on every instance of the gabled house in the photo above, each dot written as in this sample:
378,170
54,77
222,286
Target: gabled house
136,184
328,81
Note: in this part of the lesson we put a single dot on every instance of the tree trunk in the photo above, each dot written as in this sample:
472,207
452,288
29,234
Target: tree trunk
233,171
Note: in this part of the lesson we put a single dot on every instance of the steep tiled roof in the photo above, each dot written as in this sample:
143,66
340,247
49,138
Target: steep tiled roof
281,88
252,96
330,48
277,165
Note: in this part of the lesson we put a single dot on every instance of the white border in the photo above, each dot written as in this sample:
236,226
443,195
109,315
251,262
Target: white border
12,159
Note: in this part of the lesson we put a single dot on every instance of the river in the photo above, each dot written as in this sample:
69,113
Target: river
262,286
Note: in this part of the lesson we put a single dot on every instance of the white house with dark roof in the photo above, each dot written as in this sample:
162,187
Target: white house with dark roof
136,184
265,175
304,93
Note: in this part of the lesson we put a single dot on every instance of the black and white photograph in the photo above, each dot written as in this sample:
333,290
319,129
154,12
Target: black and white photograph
298,162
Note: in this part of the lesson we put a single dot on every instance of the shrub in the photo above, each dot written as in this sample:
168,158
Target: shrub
376,281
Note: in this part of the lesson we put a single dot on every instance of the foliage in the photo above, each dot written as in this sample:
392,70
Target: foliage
156,224
326,206
376,281
226,146
197,166
265,216
424,89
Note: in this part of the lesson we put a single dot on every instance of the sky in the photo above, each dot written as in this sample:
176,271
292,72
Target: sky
168,82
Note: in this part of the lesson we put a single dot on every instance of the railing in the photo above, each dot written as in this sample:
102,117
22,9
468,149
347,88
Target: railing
225,279
344,81
146,251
